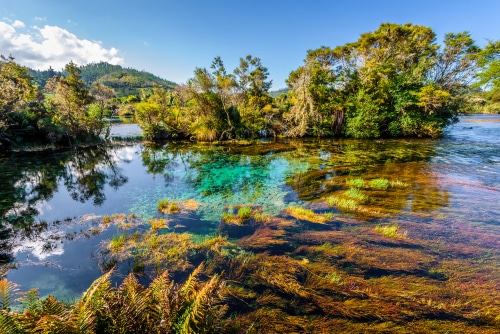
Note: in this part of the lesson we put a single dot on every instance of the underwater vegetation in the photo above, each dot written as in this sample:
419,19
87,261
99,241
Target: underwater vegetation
309,215
297,271
355,237
392,231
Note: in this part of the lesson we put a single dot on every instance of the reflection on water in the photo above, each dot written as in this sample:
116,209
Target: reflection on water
440,197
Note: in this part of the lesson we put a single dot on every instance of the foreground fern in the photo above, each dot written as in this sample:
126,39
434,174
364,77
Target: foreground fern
163,307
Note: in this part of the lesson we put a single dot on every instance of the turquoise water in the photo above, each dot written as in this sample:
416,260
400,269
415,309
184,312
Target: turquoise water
52,203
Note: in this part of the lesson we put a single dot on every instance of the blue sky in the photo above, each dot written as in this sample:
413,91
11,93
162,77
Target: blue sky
171,38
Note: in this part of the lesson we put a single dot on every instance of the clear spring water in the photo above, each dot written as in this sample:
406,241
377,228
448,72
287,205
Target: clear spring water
51,202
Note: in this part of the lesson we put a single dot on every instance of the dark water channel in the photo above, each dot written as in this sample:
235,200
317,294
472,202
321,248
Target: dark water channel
443,197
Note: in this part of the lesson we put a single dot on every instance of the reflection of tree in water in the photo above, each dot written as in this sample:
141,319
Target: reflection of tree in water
164,159
30,180
88,171
335,163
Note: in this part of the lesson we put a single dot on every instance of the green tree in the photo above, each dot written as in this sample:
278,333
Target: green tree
212,114
158,115
395,81
21,109
71,106
252,92
489,74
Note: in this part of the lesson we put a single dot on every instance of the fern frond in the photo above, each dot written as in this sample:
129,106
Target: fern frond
9,322
53,324
84,312
189,286
128,307
199,315
9,294
31,301
164,301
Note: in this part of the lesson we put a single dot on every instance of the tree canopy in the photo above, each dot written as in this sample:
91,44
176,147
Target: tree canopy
395,81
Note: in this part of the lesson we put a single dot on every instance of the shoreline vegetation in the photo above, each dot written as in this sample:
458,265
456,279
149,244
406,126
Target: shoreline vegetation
393,82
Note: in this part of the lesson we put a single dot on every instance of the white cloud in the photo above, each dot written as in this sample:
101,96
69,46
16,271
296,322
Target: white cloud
41,19
18,24
53,46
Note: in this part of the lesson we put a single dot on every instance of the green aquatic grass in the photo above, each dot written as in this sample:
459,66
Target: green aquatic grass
391,231
344,204
173,207
117,242
309,215
163,204
158,224
380,183
245,213
227,217
356,194
357,182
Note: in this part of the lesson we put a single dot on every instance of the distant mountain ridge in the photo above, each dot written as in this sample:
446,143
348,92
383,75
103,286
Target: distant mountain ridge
125,81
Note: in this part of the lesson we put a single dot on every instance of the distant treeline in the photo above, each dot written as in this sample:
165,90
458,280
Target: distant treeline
393,82
125,81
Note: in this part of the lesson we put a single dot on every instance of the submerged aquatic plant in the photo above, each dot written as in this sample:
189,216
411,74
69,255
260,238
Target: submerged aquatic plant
334,277
399,184
245,213
173,207
117,242
344,204
239,214
308,215
262,217
163,205
159,223
391,231
356,194
380,183
357,183
106,220
169,206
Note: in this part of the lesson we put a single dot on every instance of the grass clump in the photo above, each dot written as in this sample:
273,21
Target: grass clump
244,213
173,207
391,231
227,217
356,194
167,206
117,242
308,215
357,182
238,214
344,204
158,224
379,183
163,205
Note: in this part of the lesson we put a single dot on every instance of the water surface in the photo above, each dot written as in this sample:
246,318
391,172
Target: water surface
52,204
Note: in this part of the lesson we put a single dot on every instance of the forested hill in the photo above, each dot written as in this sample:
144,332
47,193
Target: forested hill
125,81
